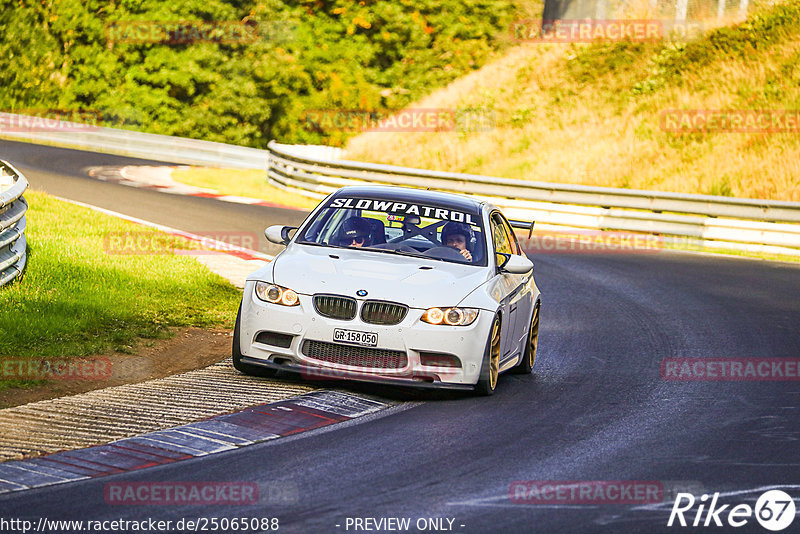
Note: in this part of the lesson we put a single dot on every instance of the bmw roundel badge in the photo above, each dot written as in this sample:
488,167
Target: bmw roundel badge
361,292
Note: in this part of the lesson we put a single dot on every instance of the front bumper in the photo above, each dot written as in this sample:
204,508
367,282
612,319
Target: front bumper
310,372
413,338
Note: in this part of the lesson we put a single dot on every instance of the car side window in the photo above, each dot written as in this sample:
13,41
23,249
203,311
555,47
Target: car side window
500,238
512,237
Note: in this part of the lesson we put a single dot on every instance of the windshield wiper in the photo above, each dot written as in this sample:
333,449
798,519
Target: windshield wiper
315,244
385,251
371,249
374,249
406,253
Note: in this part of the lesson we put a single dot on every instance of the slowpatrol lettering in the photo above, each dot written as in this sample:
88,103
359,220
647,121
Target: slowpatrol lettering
403,208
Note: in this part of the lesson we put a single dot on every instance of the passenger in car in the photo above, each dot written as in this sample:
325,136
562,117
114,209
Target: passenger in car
355,232
458,235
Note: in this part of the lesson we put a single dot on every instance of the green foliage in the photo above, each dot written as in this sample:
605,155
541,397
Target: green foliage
759,32
300,55
593,61
721,187
77,299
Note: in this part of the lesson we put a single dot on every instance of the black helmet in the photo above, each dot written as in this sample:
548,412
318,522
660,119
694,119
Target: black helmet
353,228
457,228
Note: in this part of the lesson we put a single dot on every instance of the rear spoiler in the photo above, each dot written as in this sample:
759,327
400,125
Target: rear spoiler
524,225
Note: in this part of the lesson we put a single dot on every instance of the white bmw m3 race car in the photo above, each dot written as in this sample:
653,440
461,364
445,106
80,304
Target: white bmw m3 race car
393,285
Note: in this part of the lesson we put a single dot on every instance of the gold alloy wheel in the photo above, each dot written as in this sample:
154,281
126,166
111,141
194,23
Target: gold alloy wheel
494,355
533,338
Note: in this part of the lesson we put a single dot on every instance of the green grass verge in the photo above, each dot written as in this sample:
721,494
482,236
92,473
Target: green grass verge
243,183
76,299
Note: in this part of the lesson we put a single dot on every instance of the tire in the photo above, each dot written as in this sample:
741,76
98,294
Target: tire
525,367
490,368
236,352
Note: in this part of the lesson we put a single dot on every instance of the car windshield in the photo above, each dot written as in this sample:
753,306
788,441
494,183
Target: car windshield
381,225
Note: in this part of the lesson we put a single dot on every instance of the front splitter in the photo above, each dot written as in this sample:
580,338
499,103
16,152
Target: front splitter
316,373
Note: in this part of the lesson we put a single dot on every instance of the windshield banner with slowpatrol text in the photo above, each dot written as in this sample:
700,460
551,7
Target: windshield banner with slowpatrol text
404,208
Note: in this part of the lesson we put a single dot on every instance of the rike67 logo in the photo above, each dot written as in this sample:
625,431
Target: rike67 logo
774,510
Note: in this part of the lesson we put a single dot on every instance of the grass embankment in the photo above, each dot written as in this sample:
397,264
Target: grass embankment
241,182
76,299
591,114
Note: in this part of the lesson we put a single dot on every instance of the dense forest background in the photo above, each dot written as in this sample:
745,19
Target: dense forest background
297,55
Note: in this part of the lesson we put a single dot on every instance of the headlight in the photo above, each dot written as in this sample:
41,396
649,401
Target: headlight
276,294
450,316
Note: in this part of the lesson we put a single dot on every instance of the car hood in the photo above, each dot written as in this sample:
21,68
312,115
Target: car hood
417,282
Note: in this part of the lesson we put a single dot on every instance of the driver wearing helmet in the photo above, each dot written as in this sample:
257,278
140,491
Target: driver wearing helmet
355,232
458,235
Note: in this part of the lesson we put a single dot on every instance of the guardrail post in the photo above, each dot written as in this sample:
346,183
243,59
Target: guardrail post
13,206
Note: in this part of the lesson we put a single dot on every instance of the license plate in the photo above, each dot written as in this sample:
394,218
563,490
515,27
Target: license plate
369,339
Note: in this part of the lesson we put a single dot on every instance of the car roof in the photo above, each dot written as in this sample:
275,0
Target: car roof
411,196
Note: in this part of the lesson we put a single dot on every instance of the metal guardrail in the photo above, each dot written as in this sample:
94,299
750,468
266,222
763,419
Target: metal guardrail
13,206
741,223
130,143
141,145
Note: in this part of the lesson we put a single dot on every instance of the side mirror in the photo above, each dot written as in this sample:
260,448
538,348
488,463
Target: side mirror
279,234
515,264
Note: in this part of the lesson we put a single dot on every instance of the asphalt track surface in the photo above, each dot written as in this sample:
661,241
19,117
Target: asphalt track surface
596,409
